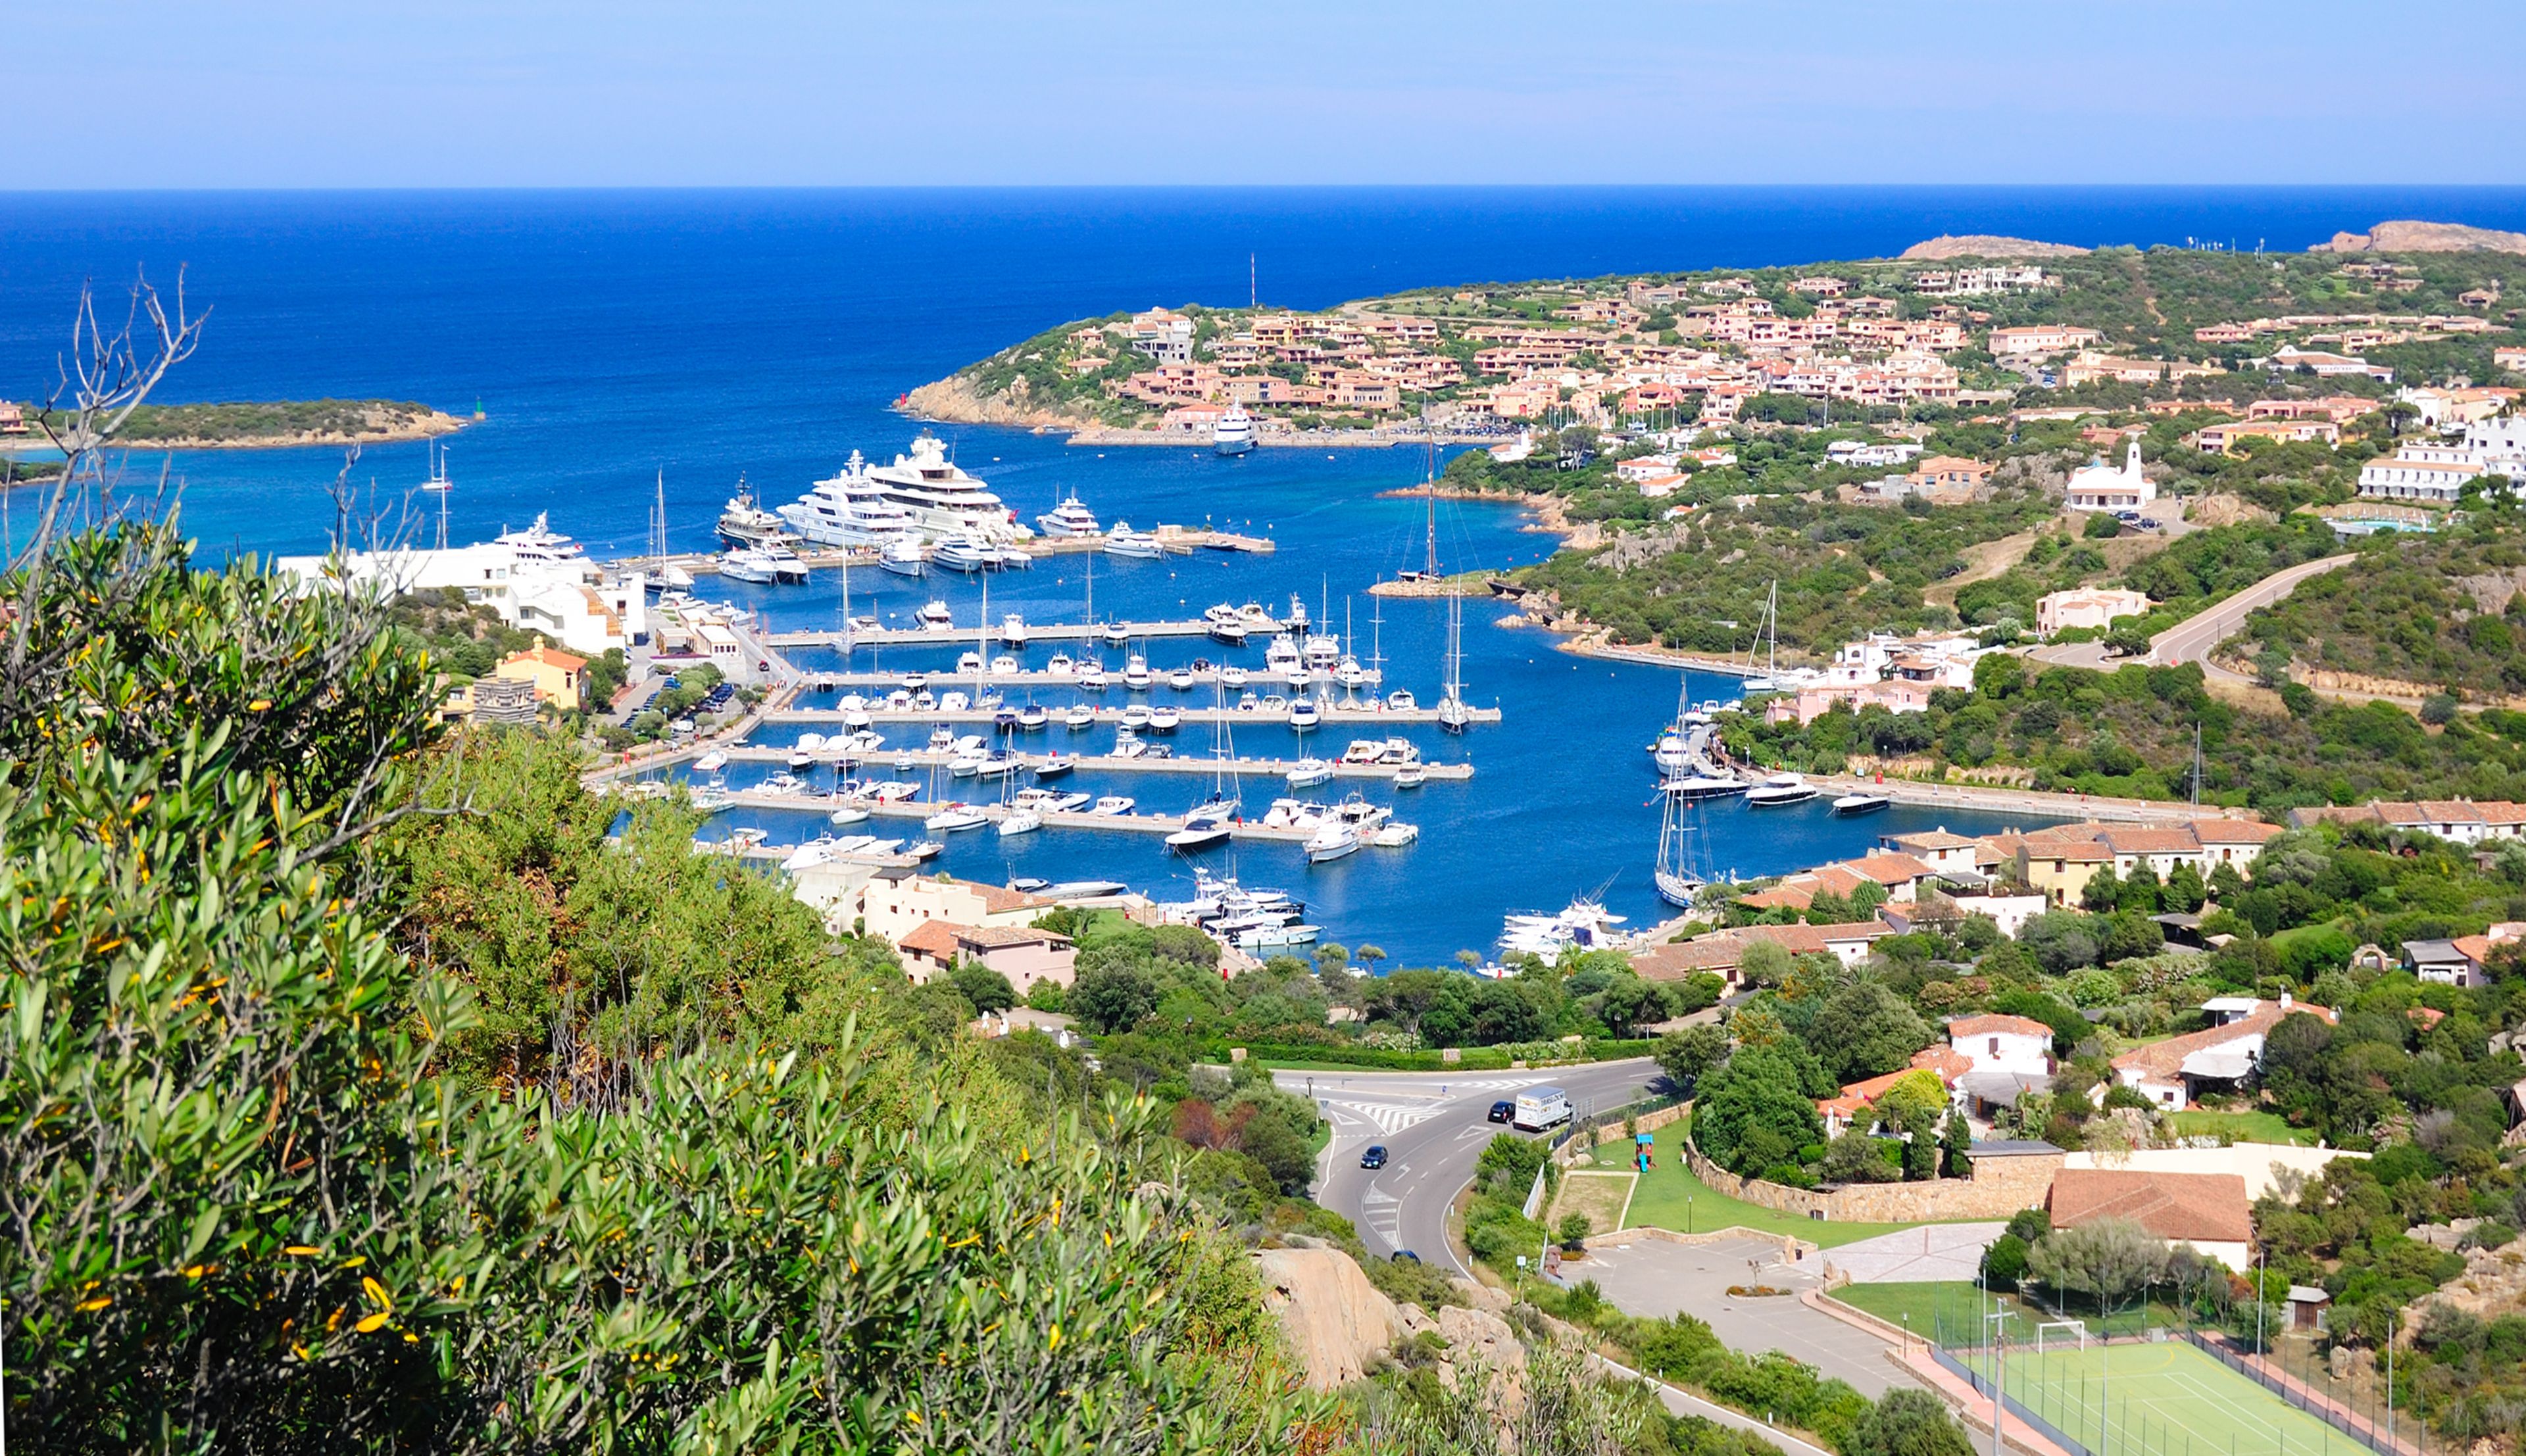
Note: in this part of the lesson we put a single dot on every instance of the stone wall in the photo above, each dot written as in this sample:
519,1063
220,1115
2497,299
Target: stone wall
1612,1133
1999,1187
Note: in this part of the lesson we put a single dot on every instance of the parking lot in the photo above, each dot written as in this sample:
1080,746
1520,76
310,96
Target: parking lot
1654,1277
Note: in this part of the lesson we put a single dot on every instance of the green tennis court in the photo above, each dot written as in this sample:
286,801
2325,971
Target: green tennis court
2167,1399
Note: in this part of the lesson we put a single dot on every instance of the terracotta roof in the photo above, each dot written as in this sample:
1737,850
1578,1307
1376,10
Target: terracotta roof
941,940
2007,1026
2162,1061
2128,840
1685,958
2449,811
1890,868
2178,1207
997,898
1780,897
1933,840
2500,811
551,657
2078,851
935,939
2235,832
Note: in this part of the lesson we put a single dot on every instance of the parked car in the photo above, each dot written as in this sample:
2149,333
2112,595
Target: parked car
1374,1157
1501,1112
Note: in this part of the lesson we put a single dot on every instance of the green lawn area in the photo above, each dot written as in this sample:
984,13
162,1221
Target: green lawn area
2166,1398
1670,1197
2240,1126
1938,1309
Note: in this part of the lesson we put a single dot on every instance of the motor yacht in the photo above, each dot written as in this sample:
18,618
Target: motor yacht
1069,519
1114,806
1117,635
944,500
1233,434
783,783
1193,838
1700,787
1094,678
1164,719
1307,773
1128,744
1282,655
904,557
711,762
1032,719
1022,822
1004,665
1013,630
540,542
1305,715
1054,766
1411,775
848,508
969,663
1181,680
1394,835
743,522
1331,842
1401,700
1060,665
746,564
1136,674
1780,789
955,819
922,849
935,615
1078,717
1233,677
1862,803
963,554
1585,925
849,814
1123,541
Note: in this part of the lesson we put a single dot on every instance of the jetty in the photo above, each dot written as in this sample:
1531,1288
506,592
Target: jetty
910,760
1174,540
965,637
1358,715
1140,824
1260,680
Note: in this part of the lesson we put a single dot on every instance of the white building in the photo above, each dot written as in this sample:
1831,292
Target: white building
2098,486
573,601
2439,471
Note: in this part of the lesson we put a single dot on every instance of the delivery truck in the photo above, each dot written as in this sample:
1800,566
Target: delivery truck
1538,1108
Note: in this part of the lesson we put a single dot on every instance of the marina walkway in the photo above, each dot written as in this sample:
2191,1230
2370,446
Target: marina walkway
1143,824
965,637
1357,716
908,760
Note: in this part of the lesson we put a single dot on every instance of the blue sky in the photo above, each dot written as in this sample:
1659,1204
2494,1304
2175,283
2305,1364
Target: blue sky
648,92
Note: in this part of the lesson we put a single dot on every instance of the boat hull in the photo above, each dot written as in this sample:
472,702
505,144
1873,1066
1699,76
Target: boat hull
1856,804
1776,798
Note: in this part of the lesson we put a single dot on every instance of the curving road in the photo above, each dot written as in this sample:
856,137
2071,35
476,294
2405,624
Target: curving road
2193,639
1434,1126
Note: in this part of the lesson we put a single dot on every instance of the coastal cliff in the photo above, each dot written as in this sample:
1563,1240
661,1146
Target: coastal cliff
1985,245
953,400
266,424
2424,237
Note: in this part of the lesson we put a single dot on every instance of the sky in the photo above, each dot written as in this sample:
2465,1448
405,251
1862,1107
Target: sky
389,93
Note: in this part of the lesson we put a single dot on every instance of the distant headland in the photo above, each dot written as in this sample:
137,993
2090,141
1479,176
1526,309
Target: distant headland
258,425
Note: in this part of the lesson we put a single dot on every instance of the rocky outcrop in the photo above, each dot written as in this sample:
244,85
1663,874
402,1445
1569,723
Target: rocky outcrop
1336,1320
955,401
1475,1337
2424,237
1984,245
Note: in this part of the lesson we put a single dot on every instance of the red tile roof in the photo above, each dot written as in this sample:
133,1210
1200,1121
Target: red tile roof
2193,1207
2006,1025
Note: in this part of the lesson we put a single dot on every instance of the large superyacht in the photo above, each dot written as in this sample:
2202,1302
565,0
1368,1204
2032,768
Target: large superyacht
850,509
944,501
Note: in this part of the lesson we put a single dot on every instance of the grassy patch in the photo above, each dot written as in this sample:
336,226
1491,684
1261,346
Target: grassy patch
1599,1195
1671,1197
2240,1126
1944,1308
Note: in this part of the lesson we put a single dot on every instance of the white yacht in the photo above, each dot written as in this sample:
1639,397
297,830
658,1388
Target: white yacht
747,565
1114,806
540,542
1332,841
1307,773
1234,434
848,508
1123,541
903,555
943,500
953,819
1013,630
1282,655
787,565
1305,715
965,554
1780,789
1023,822
743,522
1585,925
1862,803
935,615
1069,519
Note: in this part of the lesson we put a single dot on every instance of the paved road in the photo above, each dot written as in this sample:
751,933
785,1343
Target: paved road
2193,639
1434,1126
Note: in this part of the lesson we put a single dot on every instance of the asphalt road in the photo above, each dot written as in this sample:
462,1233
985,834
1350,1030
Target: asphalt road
1434,1126
2192,639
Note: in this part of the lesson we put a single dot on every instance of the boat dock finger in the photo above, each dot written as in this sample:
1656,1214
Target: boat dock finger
909,759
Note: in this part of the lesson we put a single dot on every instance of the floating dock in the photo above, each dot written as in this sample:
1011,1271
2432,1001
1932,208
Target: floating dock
1174,540
966,636
1143,823
1356,717
1258,680
912,760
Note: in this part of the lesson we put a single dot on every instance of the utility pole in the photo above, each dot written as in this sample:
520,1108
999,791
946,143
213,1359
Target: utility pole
1251,295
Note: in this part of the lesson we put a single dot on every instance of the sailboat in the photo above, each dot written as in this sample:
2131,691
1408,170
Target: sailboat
670,577
438,469
1767,635
1453,714
1678,876
1207,823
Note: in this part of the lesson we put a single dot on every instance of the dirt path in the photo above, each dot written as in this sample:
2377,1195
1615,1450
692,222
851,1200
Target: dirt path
1983,562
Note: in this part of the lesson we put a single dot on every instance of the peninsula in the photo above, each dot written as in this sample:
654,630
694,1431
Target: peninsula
258,425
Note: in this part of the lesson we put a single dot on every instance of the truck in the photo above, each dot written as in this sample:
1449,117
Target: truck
1538,1108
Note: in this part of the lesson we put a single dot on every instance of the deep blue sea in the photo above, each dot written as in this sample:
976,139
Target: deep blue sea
608,337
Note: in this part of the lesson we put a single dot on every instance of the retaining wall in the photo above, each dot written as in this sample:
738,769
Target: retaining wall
1999,1187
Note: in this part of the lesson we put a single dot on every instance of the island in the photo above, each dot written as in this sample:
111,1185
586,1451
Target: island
256,424
1996,513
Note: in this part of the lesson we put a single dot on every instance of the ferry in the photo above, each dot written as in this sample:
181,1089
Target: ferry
850,509
1234,434
943,500
742,522
1123,541
540,542
903,555
1069,519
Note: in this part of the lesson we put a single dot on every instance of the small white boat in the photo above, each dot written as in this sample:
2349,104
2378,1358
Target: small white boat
849,814
1078,717
1031,718
1331,842
963,554
1307,773
1114,805
925,849
1004,665
1053,765
1234,678
1123,541
1700,787
1394,835
1276,937
954,819
747,565
1861,803
1181,680
1094,678
1164,720
1780,789
935,614
1128,744
1305,715
1023,822
1136,674
968,663
711,762
1060,665
1401,700
1013,630
1411,775
1136,716
1194,838
1117,635
903,555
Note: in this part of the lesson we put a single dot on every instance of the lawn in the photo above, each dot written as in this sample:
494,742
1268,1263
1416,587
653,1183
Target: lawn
1670,1197
1948,1307
1599,1195
2167,1399
2240,1126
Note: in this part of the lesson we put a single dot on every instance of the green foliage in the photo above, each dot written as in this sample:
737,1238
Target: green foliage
1753,1113
274,420
1906,1421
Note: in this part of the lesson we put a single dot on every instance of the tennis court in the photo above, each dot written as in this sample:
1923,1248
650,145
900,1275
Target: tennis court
2166,1399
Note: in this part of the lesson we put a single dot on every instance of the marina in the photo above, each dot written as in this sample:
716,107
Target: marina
840,638
1329,715
1125,822
910,759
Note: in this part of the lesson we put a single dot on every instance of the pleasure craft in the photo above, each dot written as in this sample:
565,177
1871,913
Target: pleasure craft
1229,633
1113,806
1192,839
1273,703
1276,937
743,522
1032,719
1700,787
1054,766
1780,789
1282,654
964,765
1083,889
894,791
711,762
1234,431
540,542
1861,803
1583,926
1364,751
1136,674
1094,678
783,783
1013,630
1181,680
848,510
1004,665
1349,674
1234,678
746,564
969,663
1136,716
903,555
1069,519
1299,618
1305,715
849,814
1256,618
1411,775
1060,665
1005,718
1117,635
1307,773
1164,720
1128,744
1016,559
943,500
963,554
1320,651
1078,717
1395,835
786,562
1401,700
1332,843
942,738
1023,822
922,849
1123,541
935,615
955,819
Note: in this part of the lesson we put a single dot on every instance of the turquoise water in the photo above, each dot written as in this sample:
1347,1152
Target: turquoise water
609,336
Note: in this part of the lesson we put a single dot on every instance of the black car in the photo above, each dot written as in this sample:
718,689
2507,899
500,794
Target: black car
1502,1111
1404,1256
1374,1157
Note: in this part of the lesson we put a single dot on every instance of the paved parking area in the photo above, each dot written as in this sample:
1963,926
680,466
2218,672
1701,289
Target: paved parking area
1654,1278
1916,1256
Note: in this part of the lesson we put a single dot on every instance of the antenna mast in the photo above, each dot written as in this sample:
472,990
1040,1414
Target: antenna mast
1251,296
